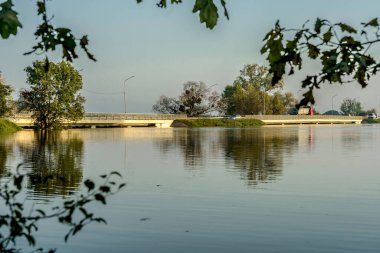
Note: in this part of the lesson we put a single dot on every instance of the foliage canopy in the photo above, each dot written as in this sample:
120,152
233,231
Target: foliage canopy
341,49
253,93
196,99
351,107
53,95
5,97
17,221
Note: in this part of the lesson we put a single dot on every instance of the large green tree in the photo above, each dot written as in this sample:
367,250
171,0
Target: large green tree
53,95
245,101
253,93
5,97
351,107
277,105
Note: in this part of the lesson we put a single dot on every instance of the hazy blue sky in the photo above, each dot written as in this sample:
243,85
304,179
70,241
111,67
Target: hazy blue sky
165,48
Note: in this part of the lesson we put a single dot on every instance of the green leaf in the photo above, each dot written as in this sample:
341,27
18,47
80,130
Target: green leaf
347,28
99,197
318,25
307,81
374,22
327,36
9,21
163,3
83,44
67,237
77,228
208,12
308,98
3,222
17,180
223,3
89,184
313,51
104,189
41,8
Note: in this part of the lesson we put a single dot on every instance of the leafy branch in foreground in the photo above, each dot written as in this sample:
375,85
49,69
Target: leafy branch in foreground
208,11
16,222
49,37
341,49
9,21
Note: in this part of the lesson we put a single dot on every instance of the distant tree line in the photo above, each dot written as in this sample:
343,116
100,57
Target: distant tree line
250,93
352,107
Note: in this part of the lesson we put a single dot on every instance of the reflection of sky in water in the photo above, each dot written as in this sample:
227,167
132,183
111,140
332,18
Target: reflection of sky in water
269,189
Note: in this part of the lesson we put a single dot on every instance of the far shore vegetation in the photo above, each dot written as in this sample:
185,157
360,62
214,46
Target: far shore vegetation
219,122
373,121
7,127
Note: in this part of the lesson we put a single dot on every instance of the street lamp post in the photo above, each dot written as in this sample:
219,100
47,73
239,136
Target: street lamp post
125,101
332,103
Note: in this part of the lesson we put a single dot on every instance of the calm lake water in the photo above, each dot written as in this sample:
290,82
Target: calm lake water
268,189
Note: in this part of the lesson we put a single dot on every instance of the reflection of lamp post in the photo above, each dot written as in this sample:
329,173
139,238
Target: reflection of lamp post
332,103
125,102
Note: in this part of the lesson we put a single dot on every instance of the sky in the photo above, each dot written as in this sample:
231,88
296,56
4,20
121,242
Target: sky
164,48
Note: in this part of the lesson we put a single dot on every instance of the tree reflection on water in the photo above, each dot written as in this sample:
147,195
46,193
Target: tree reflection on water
257,154
5,150
54,162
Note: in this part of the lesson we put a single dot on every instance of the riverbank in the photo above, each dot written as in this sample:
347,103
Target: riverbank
372,121
218,122
7,127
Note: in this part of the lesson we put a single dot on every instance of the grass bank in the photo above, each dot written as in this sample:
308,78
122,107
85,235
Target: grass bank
372,121
7,127
210,122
